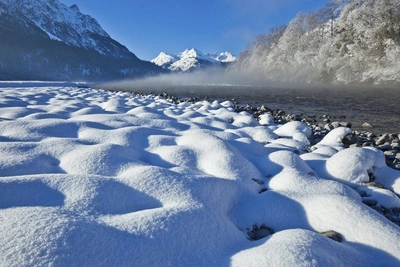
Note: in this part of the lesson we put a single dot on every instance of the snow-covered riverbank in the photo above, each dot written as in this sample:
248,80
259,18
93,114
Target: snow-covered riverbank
95,178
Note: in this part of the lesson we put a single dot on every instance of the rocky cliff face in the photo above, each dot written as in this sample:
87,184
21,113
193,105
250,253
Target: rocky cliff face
45,39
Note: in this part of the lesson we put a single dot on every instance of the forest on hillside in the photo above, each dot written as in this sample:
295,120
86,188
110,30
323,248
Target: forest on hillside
343,42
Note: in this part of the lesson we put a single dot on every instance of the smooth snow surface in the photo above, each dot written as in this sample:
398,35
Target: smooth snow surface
95,178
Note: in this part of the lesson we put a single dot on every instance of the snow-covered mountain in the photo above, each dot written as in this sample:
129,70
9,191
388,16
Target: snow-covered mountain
63,44
192,59
225,57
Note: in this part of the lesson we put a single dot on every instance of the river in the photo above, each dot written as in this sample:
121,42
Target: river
377,106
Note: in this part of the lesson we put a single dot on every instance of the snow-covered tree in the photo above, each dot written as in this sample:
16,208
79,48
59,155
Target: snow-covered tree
342,42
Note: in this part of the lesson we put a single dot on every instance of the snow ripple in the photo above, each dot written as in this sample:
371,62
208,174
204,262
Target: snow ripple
95,178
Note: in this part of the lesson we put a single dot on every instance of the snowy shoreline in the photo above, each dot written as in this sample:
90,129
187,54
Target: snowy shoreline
92,177
388,143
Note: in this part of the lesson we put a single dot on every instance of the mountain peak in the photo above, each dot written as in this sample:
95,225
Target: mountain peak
61,43
66,24
192,59
164,59
75,8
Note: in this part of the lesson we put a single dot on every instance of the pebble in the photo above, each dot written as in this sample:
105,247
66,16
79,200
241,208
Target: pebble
335,236
367,125
350,139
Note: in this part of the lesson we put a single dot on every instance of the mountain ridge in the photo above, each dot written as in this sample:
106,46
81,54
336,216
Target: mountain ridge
63,44
192,59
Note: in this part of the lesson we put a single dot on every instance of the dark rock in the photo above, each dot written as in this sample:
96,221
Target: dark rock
257,181
263,190
258,233
378,209
350,139
345,124
371,177
251,235
385,147
335,236
396,211
262,232
370,202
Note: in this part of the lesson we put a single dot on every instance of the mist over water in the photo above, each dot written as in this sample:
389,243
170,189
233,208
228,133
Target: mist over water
378,106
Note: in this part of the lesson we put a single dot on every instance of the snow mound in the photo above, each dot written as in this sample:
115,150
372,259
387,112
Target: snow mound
96,178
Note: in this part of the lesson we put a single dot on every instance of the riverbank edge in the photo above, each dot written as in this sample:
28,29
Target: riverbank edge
388,143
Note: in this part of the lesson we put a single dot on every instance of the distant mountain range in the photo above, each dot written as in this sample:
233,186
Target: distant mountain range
45,39
192,59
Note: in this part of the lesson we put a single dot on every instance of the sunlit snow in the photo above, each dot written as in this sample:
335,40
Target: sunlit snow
97,178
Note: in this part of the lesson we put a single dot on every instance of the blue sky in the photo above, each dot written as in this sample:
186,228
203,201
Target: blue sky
148,27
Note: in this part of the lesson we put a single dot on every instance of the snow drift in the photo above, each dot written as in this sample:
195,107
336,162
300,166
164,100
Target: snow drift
95,178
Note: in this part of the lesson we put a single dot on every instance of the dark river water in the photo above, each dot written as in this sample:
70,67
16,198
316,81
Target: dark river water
377,106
